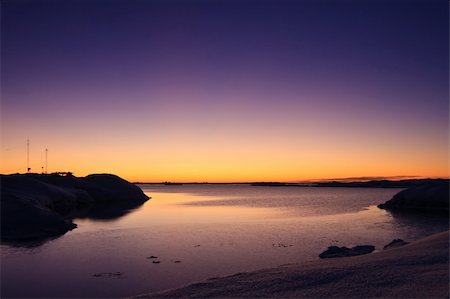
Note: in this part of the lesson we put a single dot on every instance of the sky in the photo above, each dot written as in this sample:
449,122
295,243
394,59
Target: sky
226,91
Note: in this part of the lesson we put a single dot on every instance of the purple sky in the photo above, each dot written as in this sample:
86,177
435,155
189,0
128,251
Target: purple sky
227,90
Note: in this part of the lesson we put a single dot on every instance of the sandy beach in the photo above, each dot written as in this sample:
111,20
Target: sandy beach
417,270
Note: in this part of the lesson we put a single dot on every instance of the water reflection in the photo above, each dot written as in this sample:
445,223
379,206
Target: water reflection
104,212
293,202
109,211
30,243
232,237
424,222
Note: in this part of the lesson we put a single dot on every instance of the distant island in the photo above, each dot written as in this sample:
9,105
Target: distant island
357,184
385,183
36,206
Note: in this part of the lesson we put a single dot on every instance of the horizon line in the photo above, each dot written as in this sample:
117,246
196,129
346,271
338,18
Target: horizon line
354,179
309,181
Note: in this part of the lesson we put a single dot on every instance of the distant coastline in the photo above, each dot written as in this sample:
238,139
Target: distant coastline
354,184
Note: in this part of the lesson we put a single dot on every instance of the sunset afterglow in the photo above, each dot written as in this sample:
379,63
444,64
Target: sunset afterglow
226,91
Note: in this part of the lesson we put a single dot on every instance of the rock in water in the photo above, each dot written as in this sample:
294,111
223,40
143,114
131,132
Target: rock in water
335,251
362,249
395,243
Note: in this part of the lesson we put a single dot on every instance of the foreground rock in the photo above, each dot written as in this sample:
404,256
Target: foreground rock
416,270
430,198
395,243
37,206
335,251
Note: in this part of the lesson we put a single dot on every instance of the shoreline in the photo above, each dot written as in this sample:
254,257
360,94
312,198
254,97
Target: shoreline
416,270
37,207
419,269
406,183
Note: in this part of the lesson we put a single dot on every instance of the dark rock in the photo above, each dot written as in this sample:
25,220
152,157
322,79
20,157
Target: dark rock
152,257
37,206
395,243
430,198
108,188
335,251
108,274
156,262
362,249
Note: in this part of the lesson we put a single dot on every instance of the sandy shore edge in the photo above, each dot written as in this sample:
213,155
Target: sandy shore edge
417,270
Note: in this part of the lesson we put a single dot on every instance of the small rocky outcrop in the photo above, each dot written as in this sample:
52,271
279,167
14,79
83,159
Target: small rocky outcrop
430,198
35,206
395,243
335,251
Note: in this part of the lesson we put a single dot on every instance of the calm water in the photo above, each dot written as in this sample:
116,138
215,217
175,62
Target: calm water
212,230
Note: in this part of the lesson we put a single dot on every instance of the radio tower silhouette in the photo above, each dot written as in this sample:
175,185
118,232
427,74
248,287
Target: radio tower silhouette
46,160
28,156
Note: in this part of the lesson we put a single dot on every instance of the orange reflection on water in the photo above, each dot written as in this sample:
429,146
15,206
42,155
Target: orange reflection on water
173,209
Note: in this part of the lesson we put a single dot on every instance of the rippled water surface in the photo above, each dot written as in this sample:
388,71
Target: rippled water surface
203,231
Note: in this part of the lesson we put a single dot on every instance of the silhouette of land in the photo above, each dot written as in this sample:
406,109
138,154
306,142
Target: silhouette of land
347,184
385,183
432,197
36,207
359,184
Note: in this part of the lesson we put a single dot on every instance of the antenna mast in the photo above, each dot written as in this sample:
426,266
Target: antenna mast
46,161
28,155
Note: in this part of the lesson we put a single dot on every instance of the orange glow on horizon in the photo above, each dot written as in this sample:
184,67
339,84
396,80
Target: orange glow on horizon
261,150
221,163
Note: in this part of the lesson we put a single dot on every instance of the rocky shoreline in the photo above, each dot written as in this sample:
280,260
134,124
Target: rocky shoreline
428,198
37,206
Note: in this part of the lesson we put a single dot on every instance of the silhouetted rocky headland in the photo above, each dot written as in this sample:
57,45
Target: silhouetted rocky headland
36,206
430,198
